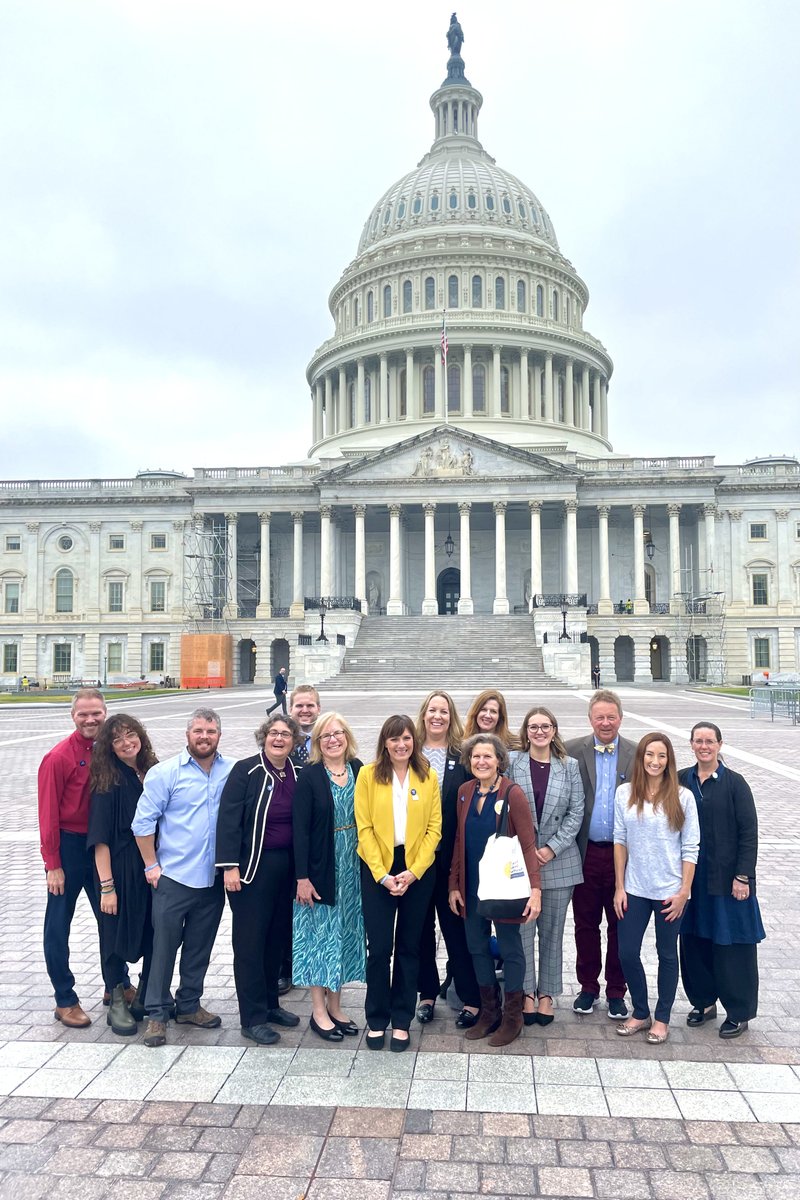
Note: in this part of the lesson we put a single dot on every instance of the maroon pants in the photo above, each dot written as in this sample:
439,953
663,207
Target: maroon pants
590,900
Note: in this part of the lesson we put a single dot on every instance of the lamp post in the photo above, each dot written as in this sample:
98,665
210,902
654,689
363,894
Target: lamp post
564,636
105,669
322,610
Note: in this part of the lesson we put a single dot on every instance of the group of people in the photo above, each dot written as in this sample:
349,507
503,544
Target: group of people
336,872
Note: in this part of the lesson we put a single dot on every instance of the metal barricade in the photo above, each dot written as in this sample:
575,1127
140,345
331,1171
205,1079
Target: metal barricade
783,702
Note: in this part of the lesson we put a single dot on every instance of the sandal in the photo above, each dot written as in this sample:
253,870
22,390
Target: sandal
529,1018
656,1039
630,1030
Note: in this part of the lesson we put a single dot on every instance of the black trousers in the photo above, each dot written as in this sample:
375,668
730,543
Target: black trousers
182,917
726,973
630,935
393,926
259,928
478,931
455,939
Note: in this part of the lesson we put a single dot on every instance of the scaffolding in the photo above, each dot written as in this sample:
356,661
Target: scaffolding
207,578
700,625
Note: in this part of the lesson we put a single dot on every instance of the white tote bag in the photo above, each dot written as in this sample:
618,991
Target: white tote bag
503,885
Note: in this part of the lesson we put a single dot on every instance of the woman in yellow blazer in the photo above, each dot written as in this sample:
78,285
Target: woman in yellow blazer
399,819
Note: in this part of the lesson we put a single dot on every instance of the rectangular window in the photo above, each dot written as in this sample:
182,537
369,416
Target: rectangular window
760,590
12,598
114,656
158,541
116,541
156,656
62,659
158,595
116,590
13,543
761,652
10,658
758,531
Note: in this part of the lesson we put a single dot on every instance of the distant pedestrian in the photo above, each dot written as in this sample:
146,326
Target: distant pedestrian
279,692
596,675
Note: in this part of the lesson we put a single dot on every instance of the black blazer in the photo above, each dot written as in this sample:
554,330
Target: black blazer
243,808
312,829
454,775
728,828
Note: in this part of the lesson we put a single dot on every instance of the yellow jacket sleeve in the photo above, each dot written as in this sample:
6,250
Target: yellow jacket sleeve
423,823
371,823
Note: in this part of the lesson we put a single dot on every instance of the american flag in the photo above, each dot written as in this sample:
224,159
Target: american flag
444,337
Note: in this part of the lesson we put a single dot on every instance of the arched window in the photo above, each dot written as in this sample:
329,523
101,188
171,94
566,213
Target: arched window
356,311
370,308
489,202
477,291
454,388
387,300
499,292
416,207
367,398
472,200
402,399
521,210
555,305
387,216
506,205
505,391
452,199
521,299
430,292
65,588
428,391
452,291
539,300
478,388
408,293
434,202
401,210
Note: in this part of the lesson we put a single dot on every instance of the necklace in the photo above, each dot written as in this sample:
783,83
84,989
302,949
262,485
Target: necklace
541,765
490,789
337,774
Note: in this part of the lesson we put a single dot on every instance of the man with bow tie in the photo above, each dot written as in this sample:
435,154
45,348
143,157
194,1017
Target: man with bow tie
606,761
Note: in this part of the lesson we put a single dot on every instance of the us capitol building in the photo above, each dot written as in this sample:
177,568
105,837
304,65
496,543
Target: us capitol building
482,483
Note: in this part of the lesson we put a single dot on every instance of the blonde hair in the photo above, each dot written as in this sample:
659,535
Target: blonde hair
455,730
320,725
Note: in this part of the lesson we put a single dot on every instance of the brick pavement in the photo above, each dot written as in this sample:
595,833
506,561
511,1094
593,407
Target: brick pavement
211,1117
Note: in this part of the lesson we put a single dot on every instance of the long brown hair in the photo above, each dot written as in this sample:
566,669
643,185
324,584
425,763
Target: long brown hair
668,798
104,773
455,730
501,729
393,727
557,746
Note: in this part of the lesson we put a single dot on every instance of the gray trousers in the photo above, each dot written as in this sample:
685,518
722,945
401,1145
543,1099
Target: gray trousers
188,918
549,928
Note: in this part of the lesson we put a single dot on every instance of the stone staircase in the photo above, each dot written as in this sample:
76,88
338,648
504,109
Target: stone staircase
454,652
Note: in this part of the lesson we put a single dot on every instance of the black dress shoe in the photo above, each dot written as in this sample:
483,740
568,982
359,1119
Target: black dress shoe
375,1041
284,985
348,1028
425,1013
732,1029
544,1018
698,1015
530,1018
327,1035
282,1016
261,1034
398,1045
466,1019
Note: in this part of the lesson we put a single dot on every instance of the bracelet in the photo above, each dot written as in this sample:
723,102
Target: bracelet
152,867
102,881
108,891
741,879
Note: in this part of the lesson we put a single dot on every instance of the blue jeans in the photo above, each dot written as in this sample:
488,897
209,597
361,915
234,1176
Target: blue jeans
630,934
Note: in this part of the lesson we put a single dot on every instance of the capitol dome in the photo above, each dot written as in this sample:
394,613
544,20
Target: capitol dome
459,253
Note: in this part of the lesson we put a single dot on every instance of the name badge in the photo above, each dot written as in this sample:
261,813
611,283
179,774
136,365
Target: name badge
498,807
413,793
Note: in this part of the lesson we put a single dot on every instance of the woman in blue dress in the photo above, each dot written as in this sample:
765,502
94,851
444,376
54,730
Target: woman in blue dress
722,926
328,942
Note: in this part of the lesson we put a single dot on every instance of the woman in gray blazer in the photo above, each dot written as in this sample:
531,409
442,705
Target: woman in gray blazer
552,783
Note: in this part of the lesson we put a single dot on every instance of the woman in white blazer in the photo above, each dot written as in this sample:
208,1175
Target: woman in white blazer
552,783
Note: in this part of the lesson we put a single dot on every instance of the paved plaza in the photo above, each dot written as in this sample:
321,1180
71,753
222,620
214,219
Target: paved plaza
567,1110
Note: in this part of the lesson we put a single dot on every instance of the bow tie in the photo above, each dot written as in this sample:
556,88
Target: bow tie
601,749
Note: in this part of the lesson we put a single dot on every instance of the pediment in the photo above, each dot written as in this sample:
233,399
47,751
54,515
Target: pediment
445,452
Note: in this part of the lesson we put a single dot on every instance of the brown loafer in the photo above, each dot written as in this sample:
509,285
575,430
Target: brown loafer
200,1018
73,1017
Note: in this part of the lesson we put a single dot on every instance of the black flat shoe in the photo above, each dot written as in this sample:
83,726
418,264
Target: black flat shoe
262,1034
530,1018
327,1035
375,1041
466,1019
732,1029
425,1013
398,1045
282,1016
348,1028
543,1018
698,1015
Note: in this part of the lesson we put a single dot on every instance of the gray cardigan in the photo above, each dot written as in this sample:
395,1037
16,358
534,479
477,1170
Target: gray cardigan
562,815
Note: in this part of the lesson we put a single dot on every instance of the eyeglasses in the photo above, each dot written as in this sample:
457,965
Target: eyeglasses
539,728
703,742
122,738
276,734
333,734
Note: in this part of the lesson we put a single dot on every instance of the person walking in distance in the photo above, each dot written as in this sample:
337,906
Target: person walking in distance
279,692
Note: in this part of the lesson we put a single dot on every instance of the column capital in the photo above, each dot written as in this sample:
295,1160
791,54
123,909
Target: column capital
464,507
382,355
710,510
95,526
535,506
264,517
297,517
500,506
429,506
325,510
603,510
32,526
467,347
639,509
735,514
360,510
782,514
179,526
136,526
674,510
231,518
395,510
571,506
496,349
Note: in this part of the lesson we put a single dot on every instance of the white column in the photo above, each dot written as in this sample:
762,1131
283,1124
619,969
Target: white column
382,409
330,415
548,386
569,394
430,606
465,605
264,606
297,608
341,403
411,391
394,606
735,532
604,408
571,512
232,552
33,596
360,582
496,381
325,582
596,414
500,606
709,584
586,420
537,392
394,391
605,605
92,602
675,585
640,605
784,581
317,403
467,381
524,391
536,546
359,393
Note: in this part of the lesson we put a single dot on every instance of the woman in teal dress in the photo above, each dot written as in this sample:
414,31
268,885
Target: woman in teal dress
328,942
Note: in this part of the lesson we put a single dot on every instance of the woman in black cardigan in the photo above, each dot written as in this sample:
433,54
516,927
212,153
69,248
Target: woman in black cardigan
328,943
722,924
440,731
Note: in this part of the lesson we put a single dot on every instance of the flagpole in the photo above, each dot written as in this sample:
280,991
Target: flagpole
444,362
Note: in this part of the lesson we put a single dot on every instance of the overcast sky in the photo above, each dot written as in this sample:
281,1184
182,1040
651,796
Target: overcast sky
183,184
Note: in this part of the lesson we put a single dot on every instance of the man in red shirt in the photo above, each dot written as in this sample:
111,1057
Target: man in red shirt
63,821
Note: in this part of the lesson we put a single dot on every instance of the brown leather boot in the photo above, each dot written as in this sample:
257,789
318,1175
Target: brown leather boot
490,1014
511,1024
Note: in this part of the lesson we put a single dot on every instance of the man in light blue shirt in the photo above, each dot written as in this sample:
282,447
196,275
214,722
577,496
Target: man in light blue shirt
178,809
